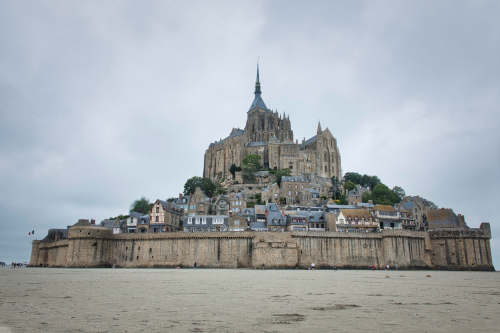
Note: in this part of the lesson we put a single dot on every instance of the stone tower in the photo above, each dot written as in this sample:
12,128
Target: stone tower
269,135
262,123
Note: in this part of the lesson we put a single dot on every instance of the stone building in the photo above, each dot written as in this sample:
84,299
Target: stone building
387,217
164,217
356,220
199,203
269,135
205,223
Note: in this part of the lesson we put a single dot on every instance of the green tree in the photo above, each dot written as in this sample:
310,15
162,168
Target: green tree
349,185
279,174
353,177
205,184
249,166
366,196
342,200
141,205
252,162
335,189
399,192
233,169
381,194
258,199
370,181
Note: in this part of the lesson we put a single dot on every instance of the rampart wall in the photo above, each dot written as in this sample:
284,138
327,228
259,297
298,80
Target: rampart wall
98,247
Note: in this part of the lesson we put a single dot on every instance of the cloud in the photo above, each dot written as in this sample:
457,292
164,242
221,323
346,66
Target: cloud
103,103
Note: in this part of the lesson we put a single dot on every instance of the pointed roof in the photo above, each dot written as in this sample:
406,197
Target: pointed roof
257,101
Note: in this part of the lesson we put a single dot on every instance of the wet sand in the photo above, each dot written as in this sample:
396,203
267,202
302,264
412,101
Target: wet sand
207,300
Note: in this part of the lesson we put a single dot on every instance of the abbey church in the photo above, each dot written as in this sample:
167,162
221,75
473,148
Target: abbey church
270,135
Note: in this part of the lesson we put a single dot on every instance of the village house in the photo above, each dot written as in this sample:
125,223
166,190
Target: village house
355,195
407,220
238,223
237,202
296,223
315,220
164,218
309,196
275,219
356,220
206,223
291,186
198,204
387,217
117,225
181,202
143,224
271,193
418,208
133,221
222,206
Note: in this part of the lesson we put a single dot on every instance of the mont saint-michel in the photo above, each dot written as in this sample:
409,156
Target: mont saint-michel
268,201
270,136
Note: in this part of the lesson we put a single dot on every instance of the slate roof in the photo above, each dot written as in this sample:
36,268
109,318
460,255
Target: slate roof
310,140
442,218
258,102
235,132
258,226
256,144
294,179
136,215
312,216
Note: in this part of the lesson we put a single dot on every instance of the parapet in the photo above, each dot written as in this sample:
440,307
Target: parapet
484,231
485,227
89,232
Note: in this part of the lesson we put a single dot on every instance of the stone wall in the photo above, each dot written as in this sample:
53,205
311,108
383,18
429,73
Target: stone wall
462,249
98,247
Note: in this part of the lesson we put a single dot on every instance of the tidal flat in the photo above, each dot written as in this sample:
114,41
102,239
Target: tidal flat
226,300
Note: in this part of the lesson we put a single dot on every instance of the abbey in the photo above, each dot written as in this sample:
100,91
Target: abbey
270,135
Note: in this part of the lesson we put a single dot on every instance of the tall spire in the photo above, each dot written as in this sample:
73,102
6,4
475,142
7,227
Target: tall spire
318,131
257,101
257,83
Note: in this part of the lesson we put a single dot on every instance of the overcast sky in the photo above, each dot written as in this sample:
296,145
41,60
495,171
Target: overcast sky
104,102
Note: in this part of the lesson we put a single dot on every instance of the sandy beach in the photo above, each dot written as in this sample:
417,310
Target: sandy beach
206,300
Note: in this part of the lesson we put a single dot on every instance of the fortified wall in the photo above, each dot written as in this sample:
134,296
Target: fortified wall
97,247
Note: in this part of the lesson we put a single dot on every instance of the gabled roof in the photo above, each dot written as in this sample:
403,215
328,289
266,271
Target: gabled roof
442,218
136,215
